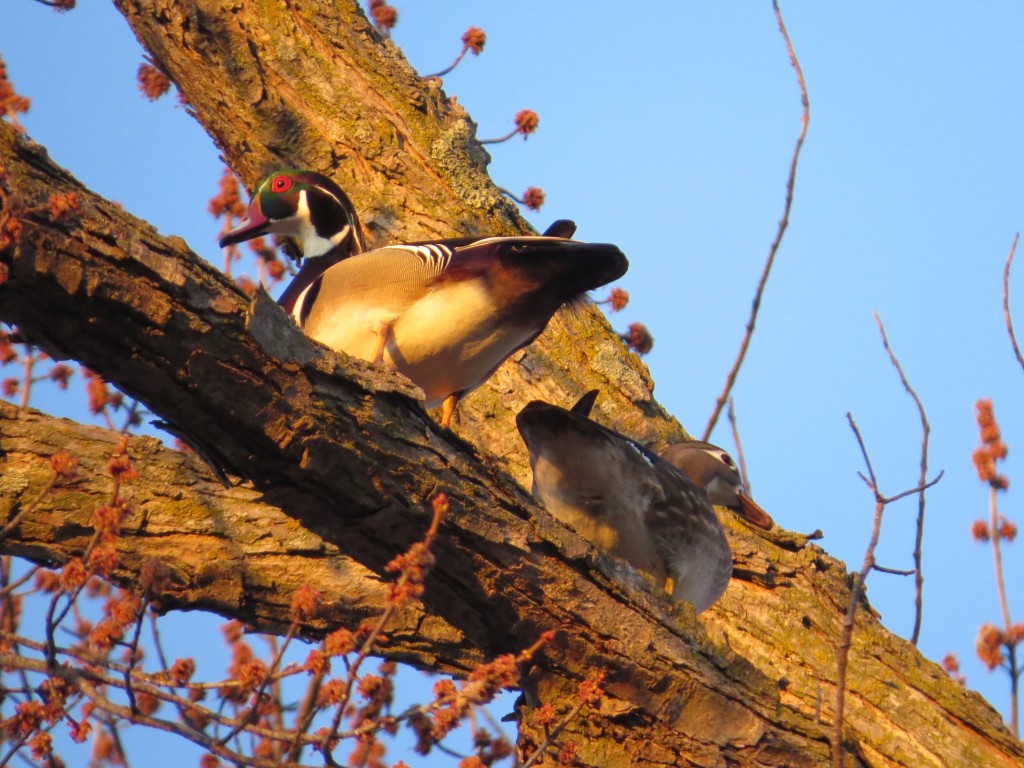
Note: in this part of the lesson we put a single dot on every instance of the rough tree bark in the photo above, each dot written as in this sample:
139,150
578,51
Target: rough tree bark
334,460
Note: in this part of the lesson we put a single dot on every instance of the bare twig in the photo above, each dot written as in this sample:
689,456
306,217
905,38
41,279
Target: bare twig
28,508
915,489
451,66
857,590
926,432
893,571
130,417
1004,605
1006,300
10,614
16,746
730,380
163,657
554,734
851,610
250,715
997,556
28,360
306,712
500,139
133,656
1013,667
590,692
509,193
731,413
1012,664
27,576
495,724
120,756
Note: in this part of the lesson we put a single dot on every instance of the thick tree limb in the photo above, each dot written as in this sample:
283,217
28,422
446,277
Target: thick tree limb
229,551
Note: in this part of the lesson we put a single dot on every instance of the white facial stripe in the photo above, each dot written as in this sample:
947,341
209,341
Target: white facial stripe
301,226
334,197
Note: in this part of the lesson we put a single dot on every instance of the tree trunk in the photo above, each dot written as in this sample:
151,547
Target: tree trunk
338,461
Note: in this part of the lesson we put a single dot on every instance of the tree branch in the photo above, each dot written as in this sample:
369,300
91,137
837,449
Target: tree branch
1006,300
922,481
740,459
857,592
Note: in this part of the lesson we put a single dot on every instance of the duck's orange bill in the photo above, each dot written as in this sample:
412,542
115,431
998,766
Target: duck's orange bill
754,514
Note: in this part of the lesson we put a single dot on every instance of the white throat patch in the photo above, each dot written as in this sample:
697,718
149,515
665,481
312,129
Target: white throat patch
313,245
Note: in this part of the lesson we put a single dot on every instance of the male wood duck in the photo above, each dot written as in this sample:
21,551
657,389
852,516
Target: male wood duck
445,313
626,500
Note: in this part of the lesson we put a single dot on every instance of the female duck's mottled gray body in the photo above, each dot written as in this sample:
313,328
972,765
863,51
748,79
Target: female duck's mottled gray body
627,501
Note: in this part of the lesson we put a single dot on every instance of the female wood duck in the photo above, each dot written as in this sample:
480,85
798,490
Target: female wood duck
445,313
626,500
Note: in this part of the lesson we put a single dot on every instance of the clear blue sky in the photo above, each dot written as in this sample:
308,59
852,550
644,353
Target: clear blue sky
670,134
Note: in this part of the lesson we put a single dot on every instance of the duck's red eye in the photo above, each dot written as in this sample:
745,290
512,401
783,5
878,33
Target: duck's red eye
280,184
